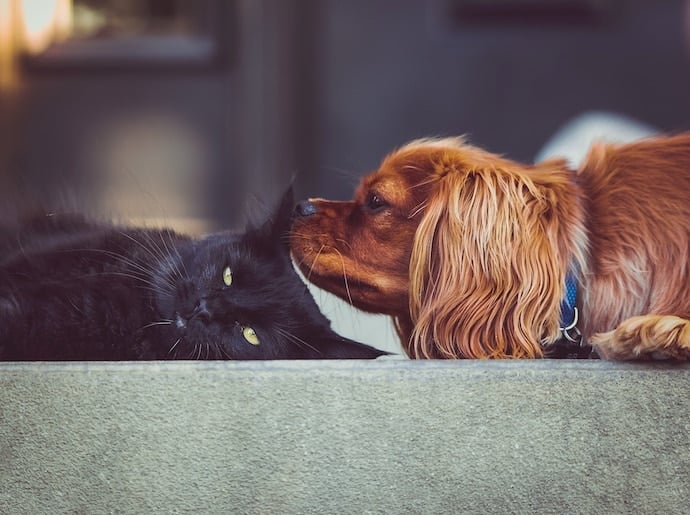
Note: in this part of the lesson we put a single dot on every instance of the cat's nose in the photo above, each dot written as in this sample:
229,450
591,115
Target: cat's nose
305,208
201,312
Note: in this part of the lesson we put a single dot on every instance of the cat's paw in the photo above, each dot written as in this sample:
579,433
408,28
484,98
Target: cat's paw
392,357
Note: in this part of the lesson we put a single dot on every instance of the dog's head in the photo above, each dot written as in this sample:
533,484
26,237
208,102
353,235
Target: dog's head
360,249
466,249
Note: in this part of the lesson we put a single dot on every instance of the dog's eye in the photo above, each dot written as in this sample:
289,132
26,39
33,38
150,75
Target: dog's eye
375,203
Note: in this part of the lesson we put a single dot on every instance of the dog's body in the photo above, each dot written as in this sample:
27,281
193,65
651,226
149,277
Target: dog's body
469,251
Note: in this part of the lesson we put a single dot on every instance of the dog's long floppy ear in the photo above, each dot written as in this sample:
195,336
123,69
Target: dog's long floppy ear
489,262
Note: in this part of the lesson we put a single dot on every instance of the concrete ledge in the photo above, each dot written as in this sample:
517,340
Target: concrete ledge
345,437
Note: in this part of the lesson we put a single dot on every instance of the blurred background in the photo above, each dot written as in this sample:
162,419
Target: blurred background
185,110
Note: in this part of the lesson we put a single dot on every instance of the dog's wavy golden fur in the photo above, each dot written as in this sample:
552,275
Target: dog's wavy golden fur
469,251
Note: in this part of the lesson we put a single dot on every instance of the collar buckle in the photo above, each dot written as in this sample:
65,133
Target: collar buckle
571,344
571,332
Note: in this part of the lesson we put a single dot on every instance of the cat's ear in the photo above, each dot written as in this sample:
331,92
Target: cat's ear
275,228
282,215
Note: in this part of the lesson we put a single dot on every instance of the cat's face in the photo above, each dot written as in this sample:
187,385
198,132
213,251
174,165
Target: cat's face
232,296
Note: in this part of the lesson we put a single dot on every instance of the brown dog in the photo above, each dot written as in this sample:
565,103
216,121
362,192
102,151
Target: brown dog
469,252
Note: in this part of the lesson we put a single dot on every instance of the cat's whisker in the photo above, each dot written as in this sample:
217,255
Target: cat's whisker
149,273
170,256
181,261
149,287
79,310
154,248
186,273
134,240
101,274
121,257
146,271
150,284
137,271
175,345
222,350
296,339
147,249
162,322
164,256
162,293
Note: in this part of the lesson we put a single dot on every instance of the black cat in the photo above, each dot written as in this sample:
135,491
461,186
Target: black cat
74,289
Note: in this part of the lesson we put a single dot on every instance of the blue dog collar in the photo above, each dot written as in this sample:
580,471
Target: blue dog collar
570,315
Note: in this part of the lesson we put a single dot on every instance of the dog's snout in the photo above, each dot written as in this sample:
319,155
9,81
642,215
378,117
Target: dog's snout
305,208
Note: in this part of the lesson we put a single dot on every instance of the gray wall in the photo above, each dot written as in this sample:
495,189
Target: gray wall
323,89
390,74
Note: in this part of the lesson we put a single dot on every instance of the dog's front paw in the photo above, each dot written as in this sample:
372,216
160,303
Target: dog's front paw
648,337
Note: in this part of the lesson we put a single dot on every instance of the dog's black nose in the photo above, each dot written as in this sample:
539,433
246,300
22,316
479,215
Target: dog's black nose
305,208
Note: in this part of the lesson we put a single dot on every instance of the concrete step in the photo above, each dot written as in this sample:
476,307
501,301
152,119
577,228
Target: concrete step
384,436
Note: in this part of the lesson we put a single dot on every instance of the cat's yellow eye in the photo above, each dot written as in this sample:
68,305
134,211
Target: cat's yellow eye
250,335
227,276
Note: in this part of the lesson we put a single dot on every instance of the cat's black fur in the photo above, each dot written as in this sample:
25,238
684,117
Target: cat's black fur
74,289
